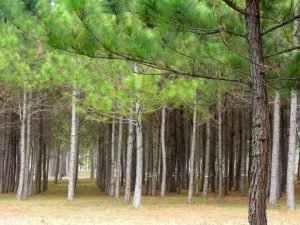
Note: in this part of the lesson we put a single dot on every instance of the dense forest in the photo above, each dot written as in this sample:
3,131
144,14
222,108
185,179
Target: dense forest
152,97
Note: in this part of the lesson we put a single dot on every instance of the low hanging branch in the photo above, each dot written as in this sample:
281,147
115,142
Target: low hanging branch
281,24
283,51
195,30
234,6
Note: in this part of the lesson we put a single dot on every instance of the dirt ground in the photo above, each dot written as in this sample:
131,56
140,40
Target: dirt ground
91,207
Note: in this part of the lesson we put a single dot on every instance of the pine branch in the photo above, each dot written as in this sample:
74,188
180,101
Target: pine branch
283,51
189,29
213,31
113,55
234,6
274,79
281,24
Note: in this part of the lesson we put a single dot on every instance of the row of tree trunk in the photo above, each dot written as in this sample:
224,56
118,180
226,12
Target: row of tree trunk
170,150
24,150
180,152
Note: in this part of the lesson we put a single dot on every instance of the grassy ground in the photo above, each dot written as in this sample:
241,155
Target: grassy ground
91,207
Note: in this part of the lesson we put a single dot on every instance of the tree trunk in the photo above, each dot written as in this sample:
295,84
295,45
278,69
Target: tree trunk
274,186
92,161
23,115
57,162
155,148
119,151
259,169
225,145
238,148
230,148
129,159
212,163
192,152
243,146
73,154
220,153
163,152
298,174
207,157
139,159
112,165
139,152
2,152
291,155
28,149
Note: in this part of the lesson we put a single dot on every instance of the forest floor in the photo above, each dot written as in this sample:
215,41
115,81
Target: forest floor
91,207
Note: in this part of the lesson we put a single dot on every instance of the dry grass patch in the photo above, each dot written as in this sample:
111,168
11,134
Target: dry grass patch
91,207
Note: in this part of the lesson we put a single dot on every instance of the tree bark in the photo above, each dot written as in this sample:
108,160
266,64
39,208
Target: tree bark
112,156
2,152
163,152
298,174
139,159
92,161
243,142
139,152
274,186
225,145
23,115
290,189
73,154
119,151
129,159
220,153
207,157
57,162
155,148
28,148
192,152
258,180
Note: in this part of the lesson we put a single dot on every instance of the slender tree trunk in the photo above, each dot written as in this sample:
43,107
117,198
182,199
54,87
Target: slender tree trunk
129,160
29,191
155,156
139,152
220,153
163,152
238,148
2,153
139,159
197,161
212,163
192,152
77,150
38,158
107,152
225,146
112,165
119,151
92,161
230,148
243,142
28,147
290,189
207,159
57,162
298,174
259,169
23,116
274,186
73,154
270,154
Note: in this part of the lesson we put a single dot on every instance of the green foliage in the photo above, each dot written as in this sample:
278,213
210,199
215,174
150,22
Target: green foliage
168,37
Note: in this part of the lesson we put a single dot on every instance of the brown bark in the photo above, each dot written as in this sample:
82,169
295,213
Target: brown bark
259,168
